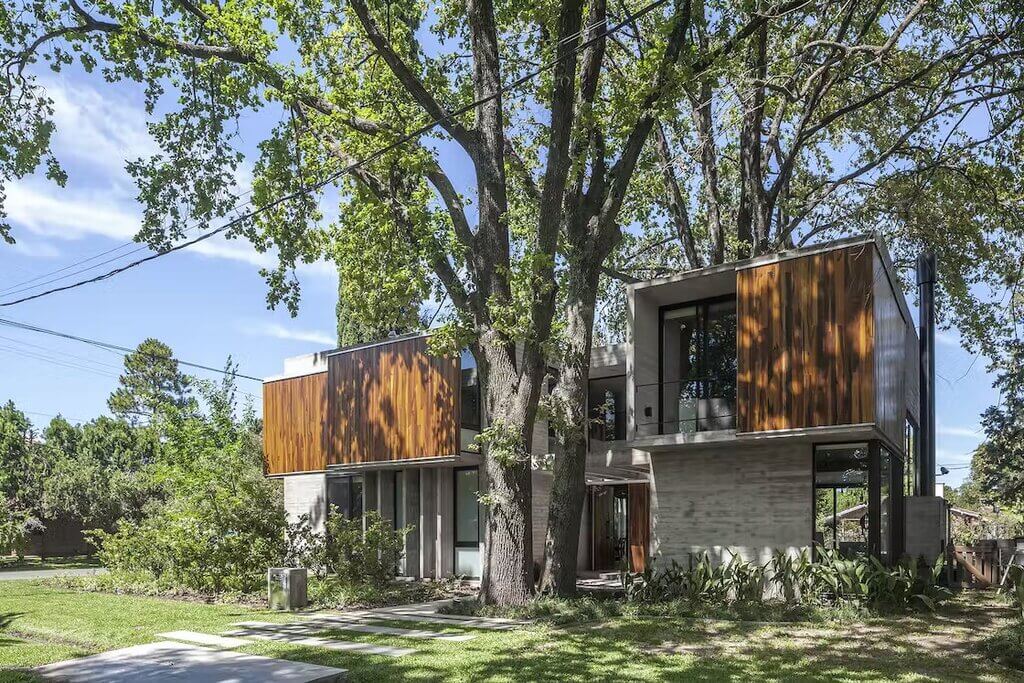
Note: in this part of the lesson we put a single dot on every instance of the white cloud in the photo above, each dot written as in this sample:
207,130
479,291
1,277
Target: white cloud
65,214
278,331
100,129
947,338
56,213
98,132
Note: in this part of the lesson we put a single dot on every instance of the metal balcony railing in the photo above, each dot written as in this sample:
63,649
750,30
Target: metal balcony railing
685,406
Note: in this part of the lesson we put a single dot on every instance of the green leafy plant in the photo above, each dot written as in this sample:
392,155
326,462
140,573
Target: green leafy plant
347,552
830,579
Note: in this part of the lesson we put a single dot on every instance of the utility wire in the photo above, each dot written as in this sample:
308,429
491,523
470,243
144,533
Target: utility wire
354,165
120,349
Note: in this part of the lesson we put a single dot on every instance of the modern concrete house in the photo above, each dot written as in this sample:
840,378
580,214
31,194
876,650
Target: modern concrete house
752,401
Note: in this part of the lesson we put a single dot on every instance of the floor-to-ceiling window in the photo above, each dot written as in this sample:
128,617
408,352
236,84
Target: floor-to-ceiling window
469,393
910,461
841,498
467,522
346,494
858,499
698,367
607,401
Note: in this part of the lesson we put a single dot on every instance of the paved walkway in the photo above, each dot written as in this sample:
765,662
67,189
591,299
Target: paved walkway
167,661
20,574
209,657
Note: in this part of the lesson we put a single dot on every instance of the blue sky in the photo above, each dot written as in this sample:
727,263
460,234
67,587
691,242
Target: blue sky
209,301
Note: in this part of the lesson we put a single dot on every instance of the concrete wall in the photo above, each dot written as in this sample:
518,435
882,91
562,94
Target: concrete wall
306,494
752,500
926,533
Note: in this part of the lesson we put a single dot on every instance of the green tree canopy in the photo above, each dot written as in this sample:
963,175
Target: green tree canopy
151,382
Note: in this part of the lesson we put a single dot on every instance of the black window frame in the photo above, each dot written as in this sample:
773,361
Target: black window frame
702,308
347,480
456,543
874,497
620,415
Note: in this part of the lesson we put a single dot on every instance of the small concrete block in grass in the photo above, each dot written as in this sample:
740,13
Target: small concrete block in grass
167,661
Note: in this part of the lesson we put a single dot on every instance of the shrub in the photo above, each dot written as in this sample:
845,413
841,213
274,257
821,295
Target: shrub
221,541
346,552
15,528
908,584
831,579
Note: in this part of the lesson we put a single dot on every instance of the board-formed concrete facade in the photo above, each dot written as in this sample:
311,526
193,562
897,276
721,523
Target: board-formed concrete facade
746,501
666,444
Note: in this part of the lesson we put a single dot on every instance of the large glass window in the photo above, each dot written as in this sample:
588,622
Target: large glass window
470,400
698,367
346,494
467,522
607,400
841,498
885,506
910,462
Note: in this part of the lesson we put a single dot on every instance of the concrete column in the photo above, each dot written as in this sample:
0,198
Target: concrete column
428,523
306,494
445,527
411,503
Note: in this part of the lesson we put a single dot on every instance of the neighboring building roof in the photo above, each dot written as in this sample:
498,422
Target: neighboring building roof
858,511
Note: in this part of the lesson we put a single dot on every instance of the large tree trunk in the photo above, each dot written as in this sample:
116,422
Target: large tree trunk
511,408
569,403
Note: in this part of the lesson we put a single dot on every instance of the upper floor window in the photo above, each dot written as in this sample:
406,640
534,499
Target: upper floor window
607,401
469,393
698,366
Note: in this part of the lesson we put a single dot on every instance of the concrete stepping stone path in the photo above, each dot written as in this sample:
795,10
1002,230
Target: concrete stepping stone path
205,639
283,633
358,626
168,661
428,618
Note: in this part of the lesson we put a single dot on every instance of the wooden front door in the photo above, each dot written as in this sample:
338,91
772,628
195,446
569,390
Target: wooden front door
601,498
639,526
620,526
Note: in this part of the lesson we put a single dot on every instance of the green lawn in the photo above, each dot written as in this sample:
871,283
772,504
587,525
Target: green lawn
40,623
11,563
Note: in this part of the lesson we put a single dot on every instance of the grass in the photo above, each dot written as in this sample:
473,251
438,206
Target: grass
41,622
32,562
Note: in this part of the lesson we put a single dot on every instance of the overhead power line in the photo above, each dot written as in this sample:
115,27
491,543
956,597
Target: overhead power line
361,162
120,349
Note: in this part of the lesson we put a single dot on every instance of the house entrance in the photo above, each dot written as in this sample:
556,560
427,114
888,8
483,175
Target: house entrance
620,526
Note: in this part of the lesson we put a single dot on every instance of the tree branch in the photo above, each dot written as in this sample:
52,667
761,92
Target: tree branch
410,81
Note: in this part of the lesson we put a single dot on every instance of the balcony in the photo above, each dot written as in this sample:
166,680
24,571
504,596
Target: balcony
685,406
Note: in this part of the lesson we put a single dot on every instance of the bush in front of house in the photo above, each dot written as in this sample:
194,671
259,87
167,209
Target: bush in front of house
350,552
829,580
220,539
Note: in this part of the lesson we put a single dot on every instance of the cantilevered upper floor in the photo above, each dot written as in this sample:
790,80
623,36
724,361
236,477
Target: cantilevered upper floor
810,343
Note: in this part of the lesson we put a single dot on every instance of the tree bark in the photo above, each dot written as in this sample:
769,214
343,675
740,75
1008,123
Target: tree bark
569,486
511,407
